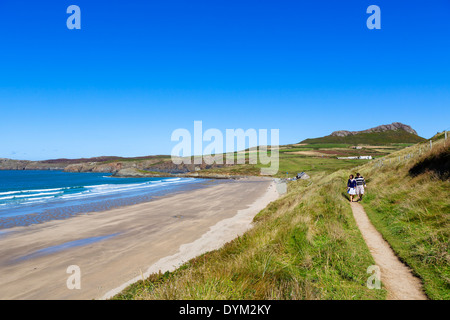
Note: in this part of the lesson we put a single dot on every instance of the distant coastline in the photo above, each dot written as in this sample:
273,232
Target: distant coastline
150,166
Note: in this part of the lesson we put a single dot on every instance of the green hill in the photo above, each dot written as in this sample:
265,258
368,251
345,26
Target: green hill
370,138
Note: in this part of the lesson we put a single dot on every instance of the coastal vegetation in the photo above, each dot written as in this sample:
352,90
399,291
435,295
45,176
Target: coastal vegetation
306,245
299,248
408,202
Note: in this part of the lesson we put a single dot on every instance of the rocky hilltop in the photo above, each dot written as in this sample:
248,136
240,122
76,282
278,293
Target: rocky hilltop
385,127
382,135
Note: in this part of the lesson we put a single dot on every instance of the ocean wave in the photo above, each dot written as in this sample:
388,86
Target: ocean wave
171,179
24,197
34,201
40,190
30,195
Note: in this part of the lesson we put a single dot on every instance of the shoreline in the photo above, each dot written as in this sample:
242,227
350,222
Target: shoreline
219,234
58,209
111,247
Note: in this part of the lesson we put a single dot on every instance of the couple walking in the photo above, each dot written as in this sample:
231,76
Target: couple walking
355,186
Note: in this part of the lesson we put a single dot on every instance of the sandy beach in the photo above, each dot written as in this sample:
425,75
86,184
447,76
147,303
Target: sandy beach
117,247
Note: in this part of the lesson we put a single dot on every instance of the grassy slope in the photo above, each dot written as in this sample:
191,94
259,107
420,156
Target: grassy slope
299,248
306,244
413,214
375,138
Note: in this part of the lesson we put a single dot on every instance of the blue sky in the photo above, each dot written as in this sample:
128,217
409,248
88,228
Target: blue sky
138,70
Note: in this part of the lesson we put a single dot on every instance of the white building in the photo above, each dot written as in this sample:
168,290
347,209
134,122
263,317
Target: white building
360,158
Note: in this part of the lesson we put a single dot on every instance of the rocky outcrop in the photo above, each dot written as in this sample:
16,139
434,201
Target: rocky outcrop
129,172
78,165
135,173
110,167
170,167
94,167
10,164
386,127
164,165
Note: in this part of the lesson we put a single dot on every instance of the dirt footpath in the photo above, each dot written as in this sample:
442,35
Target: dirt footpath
398,279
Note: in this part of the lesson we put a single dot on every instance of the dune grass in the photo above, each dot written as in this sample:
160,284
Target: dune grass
299,248
412,211
306,245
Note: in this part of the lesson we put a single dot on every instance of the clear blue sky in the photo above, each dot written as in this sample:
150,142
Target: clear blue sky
137,70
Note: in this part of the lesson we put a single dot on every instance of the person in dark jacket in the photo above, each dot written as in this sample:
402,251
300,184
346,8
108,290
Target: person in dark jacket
351,187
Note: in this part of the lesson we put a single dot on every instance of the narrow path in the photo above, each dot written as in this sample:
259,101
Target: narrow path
398,279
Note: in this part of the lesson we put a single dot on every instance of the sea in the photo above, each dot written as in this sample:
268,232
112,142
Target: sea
32,196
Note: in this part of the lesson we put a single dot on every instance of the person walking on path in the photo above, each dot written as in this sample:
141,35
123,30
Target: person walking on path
351,187
360,185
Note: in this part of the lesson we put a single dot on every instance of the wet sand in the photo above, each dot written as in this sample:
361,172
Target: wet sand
117,247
